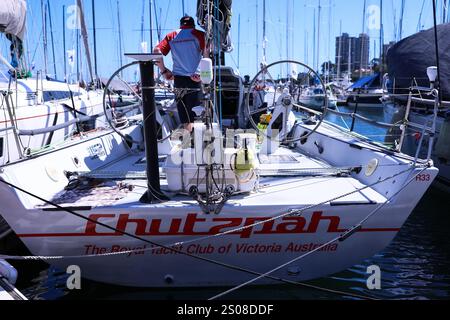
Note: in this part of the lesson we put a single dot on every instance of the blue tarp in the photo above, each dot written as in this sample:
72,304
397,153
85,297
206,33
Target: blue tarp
372,81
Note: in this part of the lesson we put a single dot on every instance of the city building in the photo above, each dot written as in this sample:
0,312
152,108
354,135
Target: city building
352,52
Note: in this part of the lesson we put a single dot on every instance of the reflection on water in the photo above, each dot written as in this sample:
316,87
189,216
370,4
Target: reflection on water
415,266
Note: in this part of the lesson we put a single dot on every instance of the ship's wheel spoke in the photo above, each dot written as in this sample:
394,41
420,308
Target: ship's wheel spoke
290,83
117,117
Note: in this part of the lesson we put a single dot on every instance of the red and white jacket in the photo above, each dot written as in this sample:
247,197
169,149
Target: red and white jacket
187,46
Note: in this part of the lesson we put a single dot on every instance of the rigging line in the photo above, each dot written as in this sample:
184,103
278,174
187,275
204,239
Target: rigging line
341,238
218,263
436,43
52,38
419,24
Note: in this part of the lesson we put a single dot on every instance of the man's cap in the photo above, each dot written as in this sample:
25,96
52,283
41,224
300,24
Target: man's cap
187,21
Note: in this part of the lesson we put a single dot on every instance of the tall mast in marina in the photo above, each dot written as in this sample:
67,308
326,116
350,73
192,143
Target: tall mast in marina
143,21
381,38
151,23
52,38
306,47
329,39
445,12
314,42
287,29
257,35
158,25
95,39
339,53
64,43
402,11
78,55
362,42
318,37
120,35
239,43
350,58
264,58
84,34
44,32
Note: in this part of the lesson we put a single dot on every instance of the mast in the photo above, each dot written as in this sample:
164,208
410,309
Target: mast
95,39
64,44
85,39
419,24
314,42
264,33
158,26
78,55
362,42
445,12
151,23
182,4
381,39
306,47
350,58
436,43
329,39
400,35
239,42
120,35
287,30
142,21
339,52
318,37
44,31
52,38
257,36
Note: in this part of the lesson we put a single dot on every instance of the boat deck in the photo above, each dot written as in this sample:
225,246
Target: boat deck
292,180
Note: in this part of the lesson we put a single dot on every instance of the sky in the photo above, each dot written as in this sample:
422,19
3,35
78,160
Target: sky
288,22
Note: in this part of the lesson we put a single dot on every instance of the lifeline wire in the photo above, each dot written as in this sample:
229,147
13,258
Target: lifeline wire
225,265
344,237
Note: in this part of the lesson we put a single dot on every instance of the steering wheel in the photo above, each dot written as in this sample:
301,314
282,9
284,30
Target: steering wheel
264,77
117,106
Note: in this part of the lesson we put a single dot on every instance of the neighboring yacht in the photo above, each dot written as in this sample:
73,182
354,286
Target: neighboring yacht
314,98
366,92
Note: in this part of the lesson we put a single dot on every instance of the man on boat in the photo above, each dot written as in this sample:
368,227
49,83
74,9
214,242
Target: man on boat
188,46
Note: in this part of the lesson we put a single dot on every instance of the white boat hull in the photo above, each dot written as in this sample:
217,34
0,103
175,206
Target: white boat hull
258,248
250,249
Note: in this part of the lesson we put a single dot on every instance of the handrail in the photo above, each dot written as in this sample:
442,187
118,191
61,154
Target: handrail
53,128
357,116
6,129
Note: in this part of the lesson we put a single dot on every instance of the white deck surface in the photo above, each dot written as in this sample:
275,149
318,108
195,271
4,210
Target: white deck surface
290,191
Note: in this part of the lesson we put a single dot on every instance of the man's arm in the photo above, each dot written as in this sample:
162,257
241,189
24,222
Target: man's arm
168,75
160,62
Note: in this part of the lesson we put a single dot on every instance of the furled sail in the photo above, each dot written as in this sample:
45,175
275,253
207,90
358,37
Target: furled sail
215,17
13,17
410,58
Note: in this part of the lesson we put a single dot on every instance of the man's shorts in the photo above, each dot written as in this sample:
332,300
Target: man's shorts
187,98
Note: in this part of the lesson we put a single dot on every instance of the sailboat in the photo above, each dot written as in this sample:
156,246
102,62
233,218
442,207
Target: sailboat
296,201
314,98
410,95
37,112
